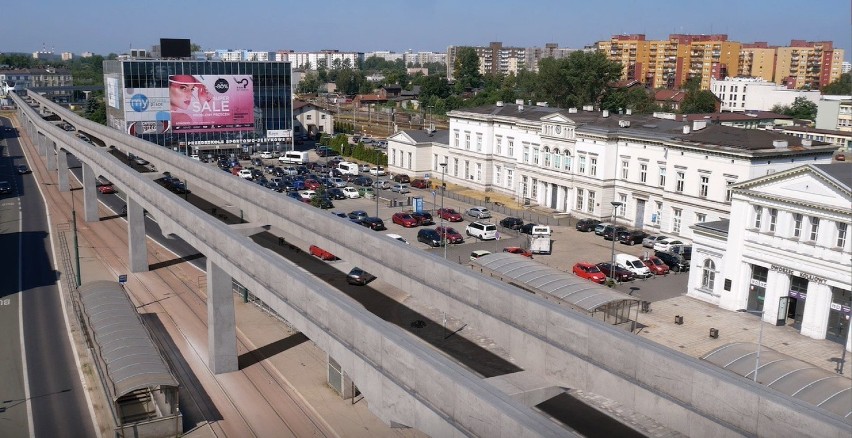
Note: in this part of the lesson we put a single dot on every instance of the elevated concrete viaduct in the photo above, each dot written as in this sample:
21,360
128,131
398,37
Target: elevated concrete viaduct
404,381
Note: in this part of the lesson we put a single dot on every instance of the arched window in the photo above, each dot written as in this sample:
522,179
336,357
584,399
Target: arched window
557,159
708,274
546,156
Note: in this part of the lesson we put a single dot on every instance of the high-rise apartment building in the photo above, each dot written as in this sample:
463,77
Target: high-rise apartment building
757,60
550,50
632,51
808,64
493,59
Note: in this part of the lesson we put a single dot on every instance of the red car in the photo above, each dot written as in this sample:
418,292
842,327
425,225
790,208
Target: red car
420,183
312,184
518,250
449,215
405,219
450,234
106,190
656,266
321,253
590,272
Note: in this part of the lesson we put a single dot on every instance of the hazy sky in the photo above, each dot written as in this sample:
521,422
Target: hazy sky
114,26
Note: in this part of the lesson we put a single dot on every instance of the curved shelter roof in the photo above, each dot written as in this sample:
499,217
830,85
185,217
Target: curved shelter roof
123,343
533,275
788,375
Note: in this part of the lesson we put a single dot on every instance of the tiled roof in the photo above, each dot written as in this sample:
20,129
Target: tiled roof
738,116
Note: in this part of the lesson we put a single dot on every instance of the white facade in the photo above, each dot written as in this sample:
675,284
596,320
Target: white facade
834,114
327,58
416,152
311,120
755,94
578,162
786,251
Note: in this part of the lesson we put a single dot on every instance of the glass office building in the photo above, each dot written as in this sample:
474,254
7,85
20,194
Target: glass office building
178,103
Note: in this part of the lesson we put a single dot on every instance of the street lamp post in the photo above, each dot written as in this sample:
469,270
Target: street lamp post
377,180
443,187
759,340
615,205
76,242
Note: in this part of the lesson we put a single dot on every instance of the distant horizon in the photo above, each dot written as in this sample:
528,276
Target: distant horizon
402,25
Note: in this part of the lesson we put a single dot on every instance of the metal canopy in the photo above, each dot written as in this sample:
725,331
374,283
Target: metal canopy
787,375
132,360
570,288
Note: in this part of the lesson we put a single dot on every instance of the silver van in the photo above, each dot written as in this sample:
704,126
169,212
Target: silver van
482,230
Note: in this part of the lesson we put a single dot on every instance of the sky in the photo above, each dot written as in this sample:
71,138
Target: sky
115,26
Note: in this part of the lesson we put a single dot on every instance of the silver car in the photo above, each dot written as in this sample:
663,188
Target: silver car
382,184
649,241
479,213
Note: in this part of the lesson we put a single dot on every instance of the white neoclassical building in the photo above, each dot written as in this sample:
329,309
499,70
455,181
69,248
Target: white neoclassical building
668,174
785,251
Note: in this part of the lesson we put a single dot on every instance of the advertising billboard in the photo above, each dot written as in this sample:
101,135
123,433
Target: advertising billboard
211,103
146,110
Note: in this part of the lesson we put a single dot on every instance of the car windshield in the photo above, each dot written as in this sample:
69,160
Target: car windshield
594,269
636,264
657,261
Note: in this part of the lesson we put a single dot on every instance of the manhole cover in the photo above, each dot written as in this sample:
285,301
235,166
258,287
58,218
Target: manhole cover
418,324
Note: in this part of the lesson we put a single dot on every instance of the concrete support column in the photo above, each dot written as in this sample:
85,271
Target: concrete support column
62,171
41,142
90,194
51,154
137,241
221,321
777,287
817,306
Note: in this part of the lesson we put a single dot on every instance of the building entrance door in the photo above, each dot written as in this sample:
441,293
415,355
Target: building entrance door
640,213
839,315
796,307
554,195
757,287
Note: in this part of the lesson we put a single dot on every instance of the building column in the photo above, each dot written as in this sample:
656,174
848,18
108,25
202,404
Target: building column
777,287
817,306
51,154
90,194
136,239
62,174
737,297
41,143
221,321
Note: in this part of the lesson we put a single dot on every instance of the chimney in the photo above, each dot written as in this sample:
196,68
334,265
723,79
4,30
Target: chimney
779,144
686,129
807,142
572,110
629,111
605,113
520,107
698,125
519,101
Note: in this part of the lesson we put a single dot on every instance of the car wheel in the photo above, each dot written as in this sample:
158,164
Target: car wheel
631,243
676,268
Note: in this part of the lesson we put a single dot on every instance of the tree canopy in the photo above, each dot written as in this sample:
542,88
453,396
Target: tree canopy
466,69
841,86
801,108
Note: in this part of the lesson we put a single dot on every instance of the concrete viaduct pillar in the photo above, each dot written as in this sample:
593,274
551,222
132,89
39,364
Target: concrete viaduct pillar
90,194
62,173
41,143
136,236
51,154
221,321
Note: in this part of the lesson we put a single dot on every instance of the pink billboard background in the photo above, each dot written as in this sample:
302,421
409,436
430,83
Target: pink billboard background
211,103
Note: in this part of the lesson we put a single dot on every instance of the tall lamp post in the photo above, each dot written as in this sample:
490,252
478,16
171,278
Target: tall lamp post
759,340
443,187
76,243
615,206
377,180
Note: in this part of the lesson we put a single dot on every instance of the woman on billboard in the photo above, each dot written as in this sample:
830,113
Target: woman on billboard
183,90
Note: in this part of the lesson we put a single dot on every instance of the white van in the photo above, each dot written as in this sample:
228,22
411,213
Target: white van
633,264
348,168
482,230
294,157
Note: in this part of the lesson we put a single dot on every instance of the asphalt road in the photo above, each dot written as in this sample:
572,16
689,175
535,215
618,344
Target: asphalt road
59,406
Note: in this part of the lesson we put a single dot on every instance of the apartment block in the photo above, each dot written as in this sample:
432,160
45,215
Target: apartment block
632,51
757,60
327,58
808,64
493,59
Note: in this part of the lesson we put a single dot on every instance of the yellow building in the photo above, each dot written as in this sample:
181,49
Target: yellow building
808,64
629,50
757,60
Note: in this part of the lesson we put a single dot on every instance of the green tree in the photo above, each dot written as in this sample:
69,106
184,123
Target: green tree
95,108
309,83
637,99
841,86
697,100
466,69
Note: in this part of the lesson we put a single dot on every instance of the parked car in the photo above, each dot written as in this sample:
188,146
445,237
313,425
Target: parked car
358,214
382,184
513,223
22,170
397,237
676,262
429,237
589,272
656,265
423,218
586,225
323,202
400,188
633,264
335,193
611,231
448,214
420,183
479,212
402,178
666,244
527,228
312,184
245,174
620,274
374,223
683,250
364,168
631,237
405,219
478,253
649,241
321,253
266,155
518,250
599,228
366,192
106,190
377,170
450,234
363,181
350,192
359,277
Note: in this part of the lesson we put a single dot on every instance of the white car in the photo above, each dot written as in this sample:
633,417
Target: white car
350,192
308,194
397,237
378,171
666,244
338,182
266,154
245,174
365,168
195,157
400,188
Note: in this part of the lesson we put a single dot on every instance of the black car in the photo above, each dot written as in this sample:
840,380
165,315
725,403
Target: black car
322,202
429,237
512,223
586,225
359,277
335,193
22,170
632,237
676,262
610,231
620,274
358,215
527,228
363,181
5,187
373,223
423,218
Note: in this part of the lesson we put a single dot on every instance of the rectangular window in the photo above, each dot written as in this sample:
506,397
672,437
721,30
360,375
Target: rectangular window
590,205
797,225
478,142
814,229
662,177
841,234
510,147
526,158
624,170
435,162
679,182
773,219
622,208
581,167
534,189
467,140
658,214
580,197
704,188
758,216
409,161
466,169
498,145
497,176
455,167
643,173
510,175
593,166
729,193
700,217
393,157
479,171
535,154
456,137
524,184
676,220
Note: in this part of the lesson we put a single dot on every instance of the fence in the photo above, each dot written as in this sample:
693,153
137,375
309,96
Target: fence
528,215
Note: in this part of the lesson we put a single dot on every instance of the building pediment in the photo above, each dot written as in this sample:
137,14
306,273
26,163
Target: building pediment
402,137
803,184
557,118
557,125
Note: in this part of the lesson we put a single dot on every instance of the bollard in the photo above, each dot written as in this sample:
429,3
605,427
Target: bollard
678,319
714,333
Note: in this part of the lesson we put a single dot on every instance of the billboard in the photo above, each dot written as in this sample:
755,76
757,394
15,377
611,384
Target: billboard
211,103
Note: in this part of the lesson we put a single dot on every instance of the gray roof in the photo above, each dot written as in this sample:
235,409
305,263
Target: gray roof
440,136
542,278
840,172
787,375
123,343
720,226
